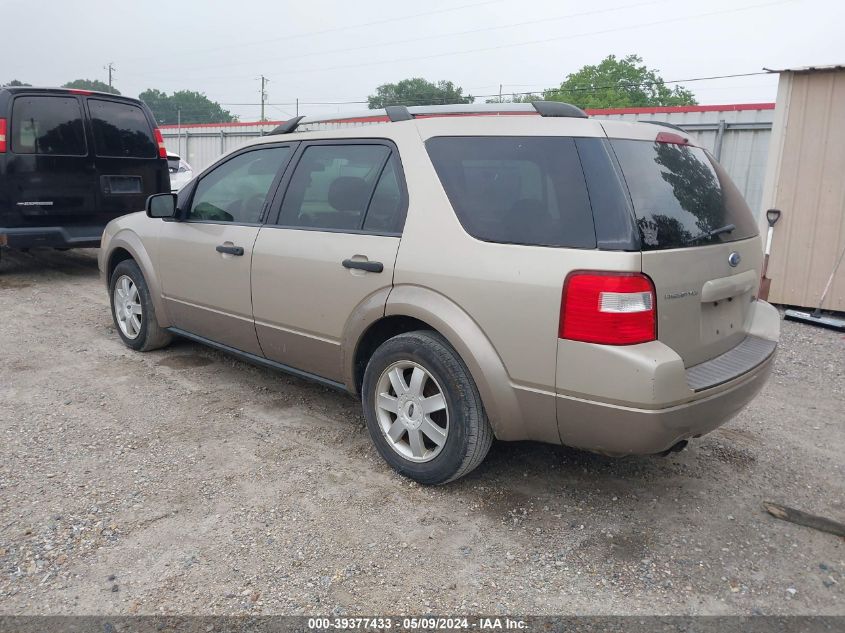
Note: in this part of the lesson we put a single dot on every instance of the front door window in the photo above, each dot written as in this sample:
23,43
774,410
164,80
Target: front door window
237,190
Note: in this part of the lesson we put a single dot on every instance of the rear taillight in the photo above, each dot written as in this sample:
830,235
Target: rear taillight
2,136
162,150
608,308
669,137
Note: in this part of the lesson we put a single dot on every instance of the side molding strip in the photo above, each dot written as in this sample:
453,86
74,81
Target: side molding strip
259,360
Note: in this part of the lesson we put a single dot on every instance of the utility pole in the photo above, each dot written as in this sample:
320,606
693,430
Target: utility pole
264,82
297,106
111,69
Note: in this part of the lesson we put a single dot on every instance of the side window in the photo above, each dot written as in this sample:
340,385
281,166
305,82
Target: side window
121,130
385,214
236,190
48,125
516,190
332,186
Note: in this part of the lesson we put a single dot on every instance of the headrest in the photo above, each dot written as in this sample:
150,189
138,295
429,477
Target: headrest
348,193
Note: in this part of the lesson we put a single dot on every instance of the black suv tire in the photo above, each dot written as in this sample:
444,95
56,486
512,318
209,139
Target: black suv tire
469,435
150,336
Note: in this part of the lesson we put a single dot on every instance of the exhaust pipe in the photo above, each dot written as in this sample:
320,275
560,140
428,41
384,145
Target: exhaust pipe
675,448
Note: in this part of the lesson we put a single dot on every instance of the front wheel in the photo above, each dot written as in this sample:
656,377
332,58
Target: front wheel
133,311
423,409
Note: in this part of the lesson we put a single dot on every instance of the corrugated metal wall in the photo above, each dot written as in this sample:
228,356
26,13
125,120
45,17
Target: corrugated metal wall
201,145
737,135
805,179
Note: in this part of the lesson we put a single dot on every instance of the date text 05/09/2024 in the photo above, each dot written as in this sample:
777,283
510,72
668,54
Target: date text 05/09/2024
423,623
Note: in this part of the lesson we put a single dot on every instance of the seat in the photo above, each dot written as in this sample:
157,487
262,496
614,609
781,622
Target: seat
348,195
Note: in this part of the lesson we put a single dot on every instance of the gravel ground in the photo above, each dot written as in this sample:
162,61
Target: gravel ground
183,481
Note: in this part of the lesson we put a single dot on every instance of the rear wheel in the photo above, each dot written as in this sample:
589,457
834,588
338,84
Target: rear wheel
423,409
133,311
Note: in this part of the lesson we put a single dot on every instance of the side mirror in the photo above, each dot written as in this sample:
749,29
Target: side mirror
162,205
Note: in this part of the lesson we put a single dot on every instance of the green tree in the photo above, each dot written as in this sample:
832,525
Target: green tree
194,106
16,82
618,83
91,84
417,91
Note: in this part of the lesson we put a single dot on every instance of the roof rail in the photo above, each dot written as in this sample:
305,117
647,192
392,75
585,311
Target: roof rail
288,126
398,113
666,124
543,108
558,109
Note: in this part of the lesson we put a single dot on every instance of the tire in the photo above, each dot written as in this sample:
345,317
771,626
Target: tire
468,435
144,334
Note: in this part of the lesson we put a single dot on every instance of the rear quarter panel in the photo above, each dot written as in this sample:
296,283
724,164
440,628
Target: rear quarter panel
503,296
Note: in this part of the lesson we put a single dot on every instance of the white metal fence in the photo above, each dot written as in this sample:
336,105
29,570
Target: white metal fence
737,135
739,138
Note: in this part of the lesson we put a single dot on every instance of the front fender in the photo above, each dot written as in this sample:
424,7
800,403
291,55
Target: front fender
128,240
463,333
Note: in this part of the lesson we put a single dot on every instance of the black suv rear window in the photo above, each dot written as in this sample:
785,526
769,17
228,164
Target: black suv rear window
680,195
48,125
516,190
121,130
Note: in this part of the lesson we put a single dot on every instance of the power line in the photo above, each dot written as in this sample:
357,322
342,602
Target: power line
584,89
338,29
199,112
540,41
288,58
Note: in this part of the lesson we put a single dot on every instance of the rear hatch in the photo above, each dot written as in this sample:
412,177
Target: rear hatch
700,243
130,160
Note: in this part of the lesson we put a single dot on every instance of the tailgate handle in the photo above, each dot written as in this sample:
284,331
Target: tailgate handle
718,289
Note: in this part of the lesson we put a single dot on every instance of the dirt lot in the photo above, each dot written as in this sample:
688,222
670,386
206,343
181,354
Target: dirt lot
183,481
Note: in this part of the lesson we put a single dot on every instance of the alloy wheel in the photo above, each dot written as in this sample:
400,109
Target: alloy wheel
412,412
127,307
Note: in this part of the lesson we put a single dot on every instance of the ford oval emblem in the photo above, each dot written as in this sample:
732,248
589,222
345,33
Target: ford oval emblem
734,259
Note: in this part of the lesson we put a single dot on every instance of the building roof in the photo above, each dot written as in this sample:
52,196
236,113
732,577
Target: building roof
807,69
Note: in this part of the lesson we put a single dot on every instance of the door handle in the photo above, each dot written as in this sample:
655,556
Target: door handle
370,267
231,250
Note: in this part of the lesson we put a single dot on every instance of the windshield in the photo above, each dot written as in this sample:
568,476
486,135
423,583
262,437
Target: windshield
680,196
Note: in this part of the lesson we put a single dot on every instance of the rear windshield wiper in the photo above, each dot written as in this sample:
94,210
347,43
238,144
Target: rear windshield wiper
728,228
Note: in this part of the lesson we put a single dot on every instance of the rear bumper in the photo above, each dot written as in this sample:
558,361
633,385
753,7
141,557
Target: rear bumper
641,399
618,430
83,236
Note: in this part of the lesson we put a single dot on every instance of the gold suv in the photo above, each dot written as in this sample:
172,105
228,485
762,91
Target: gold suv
520,272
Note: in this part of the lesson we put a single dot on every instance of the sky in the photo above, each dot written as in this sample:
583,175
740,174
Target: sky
331,54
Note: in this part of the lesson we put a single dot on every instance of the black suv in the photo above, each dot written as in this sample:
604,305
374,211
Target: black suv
71,161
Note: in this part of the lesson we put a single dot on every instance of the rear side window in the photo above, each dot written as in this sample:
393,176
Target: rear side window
386,211
48,125
680,194
516,190
332,186
121,130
